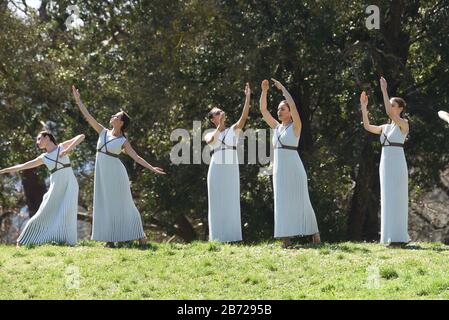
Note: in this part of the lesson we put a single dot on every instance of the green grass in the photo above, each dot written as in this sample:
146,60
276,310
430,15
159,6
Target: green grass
220,271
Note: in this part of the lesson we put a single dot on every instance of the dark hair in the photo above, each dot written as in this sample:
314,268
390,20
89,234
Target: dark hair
286,103
48,134
401,103
211,113
126,121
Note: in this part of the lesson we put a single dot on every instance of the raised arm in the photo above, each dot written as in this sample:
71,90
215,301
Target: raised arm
297,124
443,115
272,122
211,137
403,124
69,145
244,117
91,120
27,165
364,106
133,154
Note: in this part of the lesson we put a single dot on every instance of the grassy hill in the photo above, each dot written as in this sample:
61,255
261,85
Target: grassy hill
216,271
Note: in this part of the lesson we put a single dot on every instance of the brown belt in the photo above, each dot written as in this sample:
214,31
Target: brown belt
224,148
109,153
287,147
63,167
394,144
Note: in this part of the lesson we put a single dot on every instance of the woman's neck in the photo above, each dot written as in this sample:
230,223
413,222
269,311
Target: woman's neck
393,123
286,122
116,132
51,147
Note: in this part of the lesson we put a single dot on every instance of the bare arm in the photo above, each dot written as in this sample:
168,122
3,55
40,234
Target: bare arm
91,120
244,117
297,124
27,165
443,115
133,154
366,124
403,124
272,122
69,145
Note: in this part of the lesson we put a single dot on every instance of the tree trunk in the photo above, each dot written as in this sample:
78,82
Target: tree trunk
185,229
34,189
43,15
363,222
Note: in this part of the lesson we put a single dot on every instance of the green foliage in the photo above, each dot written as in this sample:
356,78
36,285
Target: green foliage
166,62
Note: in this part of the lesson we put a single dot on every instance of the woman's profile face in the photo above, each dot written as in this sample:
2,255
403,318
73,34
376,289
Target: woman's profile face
42,141
395,107
116,119
283,111
215,119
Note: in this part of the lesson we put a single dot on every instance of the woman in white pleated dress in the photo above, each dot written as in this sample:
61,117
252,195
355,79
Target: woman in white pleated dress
293,211
393,168
56,218
223,178
115,216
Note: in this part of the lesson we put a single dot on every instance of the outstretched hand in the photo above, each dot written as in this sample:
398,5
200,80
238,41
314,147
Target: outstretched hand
222,119
247,90
278,84
363,100
265,85
158,170
76,94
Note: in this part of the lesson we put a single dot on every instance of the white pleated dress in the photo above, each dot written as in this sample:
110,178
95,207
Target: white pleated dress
115,216
56,218
293,212
223,186
393,187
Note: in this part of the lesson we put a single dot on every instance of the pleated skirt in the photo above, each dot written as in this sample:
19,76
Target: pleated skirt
393,196
56,218
223,186
293,212
115,216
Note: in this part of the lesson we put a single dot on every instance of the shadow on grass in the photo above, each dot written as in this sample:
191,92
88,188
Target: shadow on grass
298,243
135,245
416,246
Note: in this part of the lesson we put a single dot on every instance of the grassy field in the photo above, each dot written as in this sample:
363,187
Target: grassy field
216,271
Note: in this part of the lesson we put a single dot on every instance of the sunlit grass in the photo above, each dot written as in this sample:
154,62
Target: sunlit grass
202,270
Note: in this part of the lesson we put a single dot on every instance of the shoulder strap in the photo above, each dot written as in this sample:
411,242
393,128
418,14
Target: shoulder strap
105,144
105,141
281,133
392,144
57,159
224,137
